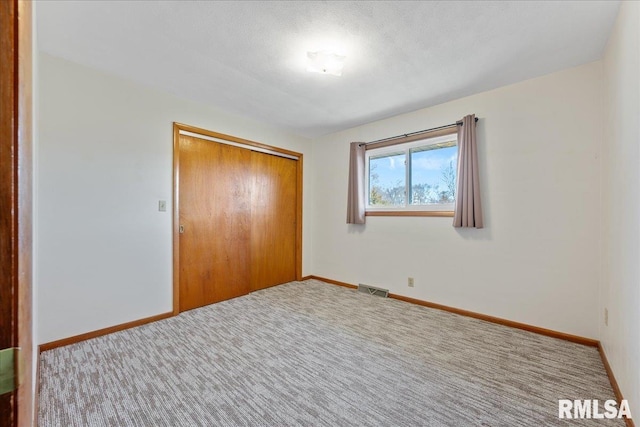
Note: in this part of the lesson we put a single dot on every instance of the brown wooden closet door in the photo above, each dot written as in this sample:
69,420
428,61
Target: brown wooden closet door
273,220
215,211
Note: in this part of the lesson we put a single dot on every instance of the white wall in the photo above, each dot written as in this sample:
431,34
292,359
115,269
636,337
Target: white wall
104,154
34,277
537,259
621,204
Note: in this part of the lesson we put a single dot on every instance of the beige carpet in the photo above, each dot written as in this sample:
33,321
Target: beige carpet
313,354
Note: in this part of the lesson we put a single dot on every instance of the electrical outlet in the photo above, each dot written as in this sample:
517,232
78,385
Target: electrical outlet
162,206
606,317
410,282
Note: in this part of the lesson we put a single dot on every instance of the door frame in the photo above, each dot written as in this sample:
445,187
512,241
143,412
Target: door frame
249,145
18,407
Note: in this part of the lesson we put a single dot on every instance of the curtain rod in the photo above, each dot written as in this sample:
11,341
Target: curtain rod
404,135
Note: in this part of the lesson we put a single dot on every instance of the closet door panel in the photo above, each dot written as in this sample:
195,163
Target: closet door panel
215,213
273,220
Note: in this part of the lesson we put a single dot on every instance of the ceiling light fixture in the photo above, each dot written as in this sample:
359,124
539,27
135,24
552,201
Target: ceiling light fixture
325,62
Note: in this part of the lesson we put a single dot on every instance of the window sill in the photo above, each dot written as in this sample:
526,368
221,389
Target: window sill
410,213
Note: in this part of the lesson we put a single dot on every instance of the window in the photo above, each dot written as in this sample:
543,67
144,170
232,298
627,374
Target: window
412,178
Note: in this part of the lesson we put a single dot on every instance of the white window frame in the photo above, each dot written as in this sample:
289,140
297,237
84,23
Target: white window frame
406,149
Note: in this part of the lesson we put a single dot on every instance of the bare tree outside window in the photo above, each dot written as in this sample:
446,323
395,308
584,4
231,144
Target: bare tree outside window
387,176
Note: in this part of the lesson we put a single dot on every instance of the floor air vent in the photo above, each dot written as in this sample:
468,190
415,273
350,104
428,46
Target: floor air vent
373,290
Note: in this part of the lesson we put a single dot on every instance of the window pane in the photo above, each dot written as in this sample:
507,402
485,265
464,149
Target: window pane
433,174
387,176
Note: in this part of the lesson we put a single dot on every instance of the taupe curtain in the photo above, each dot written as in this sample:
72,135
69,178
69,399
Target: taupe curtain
355,197
468,208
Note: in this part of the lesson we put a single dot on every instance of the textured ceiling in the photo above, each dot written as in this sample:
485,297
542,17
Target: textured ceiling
248,57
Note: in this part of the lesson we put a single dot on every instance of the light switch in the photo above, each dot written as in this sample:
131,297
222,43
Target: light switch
162,205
